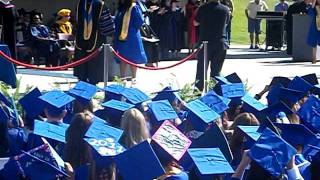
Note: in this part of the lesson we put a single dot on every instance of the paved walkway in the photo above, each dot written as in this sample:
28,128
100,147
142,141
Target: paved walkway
253,66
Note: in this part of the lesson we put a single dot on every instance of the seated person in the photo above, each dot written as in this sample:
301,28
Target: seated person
41,42
62,25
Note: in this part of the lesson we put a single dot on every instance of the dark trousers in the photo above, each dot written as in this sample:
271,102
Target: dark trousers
216,56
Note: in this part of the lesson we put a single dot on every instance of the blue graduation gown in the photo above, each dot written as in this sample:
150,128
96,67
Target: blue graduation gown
314,35
132,48
16,141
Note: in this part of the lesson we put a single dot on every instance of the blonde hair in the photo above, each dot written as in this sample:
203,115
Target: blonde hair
135,128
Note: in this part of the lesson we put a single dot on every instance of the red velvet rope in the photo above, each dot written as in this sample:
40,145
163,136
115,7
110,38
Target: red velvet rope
56,68
155,68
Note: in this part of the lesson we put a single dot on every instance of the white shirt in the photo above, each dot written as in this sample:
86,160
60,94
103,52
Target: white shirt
253,8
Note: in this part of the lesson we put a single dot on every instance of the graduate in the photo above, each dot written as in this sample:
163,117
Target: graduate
314,30
127,39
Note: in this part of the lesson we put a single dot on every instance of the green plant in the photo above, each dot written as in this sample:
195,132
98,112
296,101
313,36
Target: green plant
15,94
211,83
246,85
118,81
188,92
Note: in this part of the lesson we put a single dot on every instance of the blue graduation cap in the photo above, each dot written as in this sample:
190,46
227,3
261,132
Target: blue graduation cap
300,84
214,138
309,112
290,95
104,140
167,94
32,105
222,80
114,110
200,115
234,90
271,152
273,95
312,150
139,162
135,96
234,78
49,130
311,78
113,92
209,162
217,103
161,111
251,104
56,100
296,134
251,133
83,91
39,163
280,81
169,142
100,130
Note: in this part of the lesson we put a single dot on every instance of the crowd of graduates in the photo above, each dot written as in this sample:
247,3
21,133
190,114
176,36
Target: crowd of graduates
224,134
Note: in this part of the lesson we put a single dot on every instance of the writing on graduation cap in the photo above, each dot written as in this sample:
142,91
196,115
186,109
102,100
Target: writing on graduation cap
107,146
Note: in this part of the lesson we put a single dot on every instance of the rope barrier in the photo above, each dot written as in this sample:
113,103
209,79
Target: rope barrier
55,68
155,68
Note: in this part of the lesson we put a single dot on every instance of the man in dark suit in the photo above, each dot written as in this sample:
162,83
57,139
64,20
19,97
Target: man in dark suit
212,19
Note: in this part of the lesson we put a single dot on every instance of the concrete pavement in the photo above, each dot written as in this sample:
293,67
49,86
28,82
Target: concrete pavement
254,66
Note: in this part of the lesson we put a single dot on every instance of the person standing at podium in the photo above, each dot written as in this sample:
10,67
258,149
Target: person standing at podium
254,24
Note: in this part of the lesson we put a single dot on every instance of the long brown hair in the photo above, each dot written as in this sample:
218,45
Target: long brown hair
77,151
244,119
135,128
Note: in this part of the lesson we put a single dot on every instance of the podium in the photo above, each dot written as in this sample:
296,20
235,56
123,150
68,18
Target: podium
301,51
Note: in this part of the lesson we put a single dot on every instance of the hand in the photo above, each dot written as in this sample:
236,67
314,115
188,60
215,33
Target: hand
69,171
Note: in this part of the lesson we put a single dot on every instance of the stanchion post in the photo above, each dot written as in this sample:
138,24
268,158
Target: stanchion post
106,50
205,65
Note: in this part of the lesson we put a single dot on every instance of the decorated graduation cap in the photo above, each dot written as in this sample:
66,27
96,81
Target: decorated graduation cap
209,162
161,111
234,78
217,103
252,105
214,138
50,130
300,84
169,142
113,92
42,162
104,140
139,162
271,152
83,91
296,134
200,115
280,81
311,78
31,103
114,111
309,112
167,94
56,101
135,96
251,133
